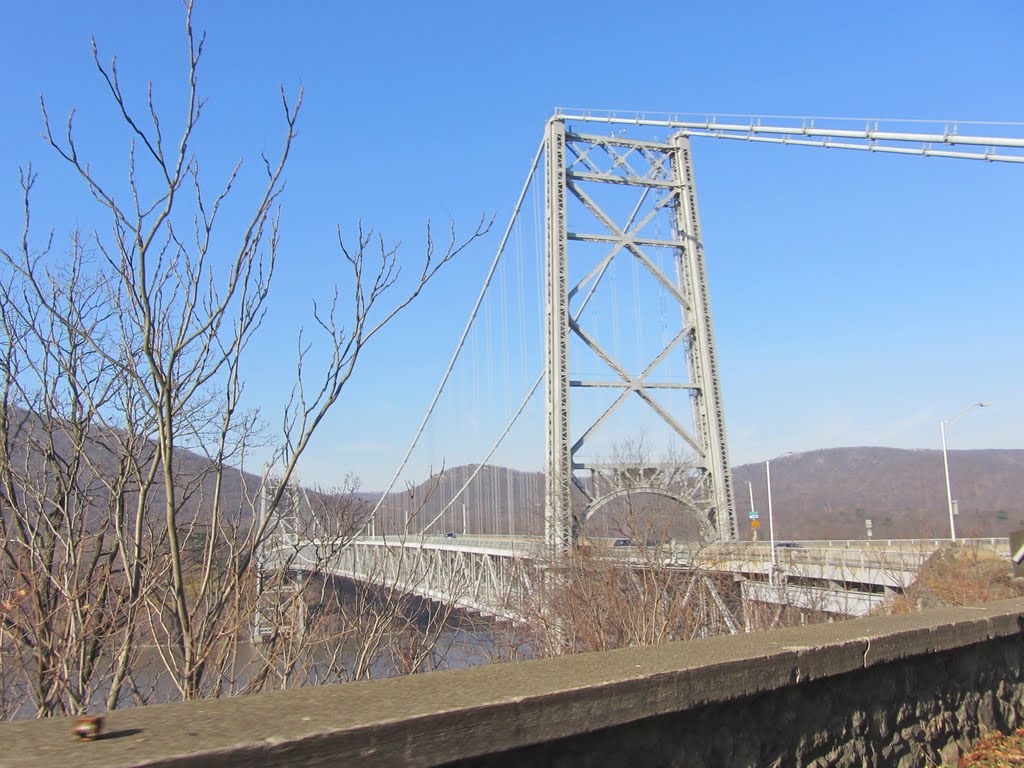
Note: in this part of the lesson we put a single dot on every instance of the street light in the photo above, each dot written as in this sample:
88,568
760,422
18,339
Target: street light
945,462
771,520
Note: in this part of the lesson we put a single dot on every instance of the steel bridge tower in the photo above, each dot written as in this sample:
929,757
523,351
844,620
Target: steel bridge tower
662,173
661,176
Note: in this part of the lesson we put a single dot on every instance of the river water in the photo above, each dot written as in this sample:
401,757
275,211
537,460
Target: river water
462,641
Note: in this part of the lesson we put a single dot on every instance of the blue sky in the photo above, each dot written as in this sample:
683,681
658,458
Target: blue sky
858,299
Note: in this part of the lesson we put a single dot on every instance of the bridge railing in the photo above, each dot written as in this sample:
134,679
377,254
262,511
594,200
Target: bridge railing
996,543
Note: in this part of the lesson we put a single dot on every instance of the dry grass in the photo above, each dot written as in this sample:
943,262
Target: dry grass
958,574
996,751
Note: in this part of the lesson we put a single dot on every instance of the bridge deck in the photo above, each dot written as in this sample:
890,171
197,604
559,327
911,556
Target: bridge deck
493,575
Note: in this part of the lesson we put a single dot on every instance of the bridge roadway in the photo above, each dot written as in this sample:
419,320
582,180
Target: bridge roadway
497,575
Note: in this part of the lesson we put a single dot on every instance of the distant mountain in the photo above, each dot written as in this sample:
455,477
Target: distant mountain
817,494
497,501
44,448
830,493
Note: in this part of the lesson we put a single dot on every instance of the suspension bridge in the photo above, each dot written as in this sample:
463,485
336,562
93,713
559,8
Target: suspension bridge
595,319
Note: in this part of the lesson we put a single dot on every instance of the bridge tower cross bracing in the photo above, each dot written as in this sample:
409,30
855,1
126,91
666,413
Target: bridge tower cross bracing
665,172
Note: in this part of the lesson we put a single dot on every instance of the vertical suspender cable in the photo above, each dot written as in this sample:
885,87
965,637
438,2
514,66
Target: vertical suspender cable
465,333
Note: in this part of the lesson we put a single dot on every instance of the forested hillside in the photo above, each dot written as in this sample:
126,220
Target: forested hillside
818,494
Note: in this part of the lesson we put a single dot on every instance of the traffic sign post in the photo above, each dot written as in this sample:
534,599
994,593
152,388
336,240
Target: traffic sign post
1017,552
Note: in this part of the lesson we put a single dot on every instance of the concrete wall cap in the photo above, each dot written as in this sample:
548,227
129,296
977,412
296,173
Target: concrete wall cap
415,720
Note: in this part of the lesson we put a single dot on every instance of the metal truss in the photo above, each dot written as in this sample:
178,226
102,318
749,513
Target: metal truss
509,579
662,174
494,581
274,591
661,178
561,522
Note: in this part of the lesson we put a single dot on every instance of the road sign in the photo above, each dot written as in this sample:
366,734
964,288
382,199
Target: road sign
1017,552
755,524
753,515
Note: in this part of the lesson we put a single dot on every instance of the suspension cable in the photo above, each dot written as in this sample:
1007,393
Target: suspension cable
519,410
465,333
808,131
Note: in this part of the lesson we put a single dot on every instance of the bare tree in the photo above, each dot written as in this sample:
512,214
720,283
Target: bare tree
643,586
122,360
370,624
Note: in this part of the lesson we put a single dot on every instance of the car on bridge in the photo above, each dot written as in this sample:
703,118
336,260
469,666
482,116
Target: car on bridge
451,535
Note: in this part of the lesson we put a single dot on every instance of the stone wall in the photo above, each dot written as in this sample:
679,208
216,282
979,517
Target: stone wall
922,711
896,690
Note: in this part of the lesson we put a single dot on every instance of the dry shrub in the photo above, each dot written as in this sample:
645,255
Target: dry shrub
960,574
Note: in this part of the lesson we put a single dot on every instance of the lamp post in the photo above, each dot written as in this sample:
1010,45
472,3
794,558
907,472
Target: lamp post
945,462
771,520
